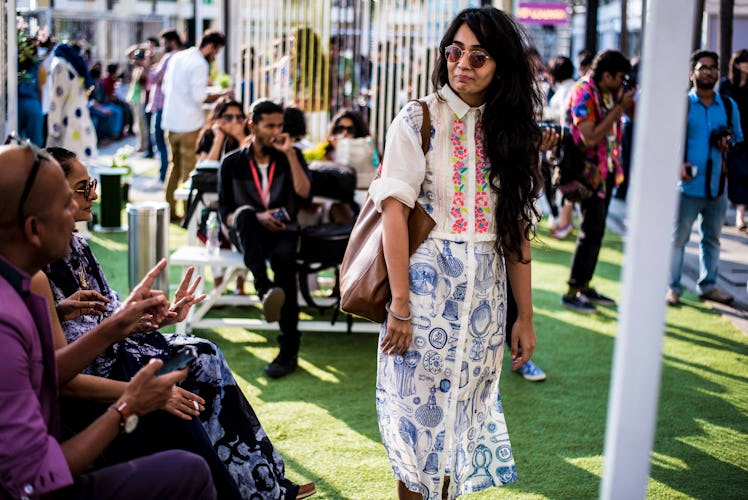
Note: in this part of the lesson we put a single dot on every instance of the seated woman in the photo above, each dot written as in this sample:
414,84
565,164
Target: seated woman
228,419
225,130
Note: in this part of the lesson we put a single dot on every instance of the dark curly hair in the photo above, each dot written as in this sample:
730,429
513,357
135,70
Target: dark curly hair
512,135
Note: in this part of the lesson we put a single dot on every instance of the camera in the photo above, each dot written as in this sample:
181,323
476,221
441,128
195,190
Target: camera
559,129
720,133
629,83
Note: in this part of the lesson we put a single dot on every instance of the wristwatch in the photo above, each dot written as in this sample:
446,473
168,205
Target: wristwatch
128,420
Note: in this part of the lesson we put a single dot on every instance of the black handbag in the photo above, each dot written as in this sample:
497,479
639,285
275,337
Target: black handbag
204,179
332,180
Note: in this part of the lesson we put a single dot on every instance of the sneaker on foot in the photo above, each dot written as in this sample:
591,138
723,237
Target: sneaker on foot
306,490
578,303
272,303
280,367
672,298
716,295
561,232
532,372
598,298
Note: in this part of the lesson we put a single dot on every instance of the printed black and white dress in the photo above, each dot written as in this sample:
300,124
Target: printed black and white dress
229,420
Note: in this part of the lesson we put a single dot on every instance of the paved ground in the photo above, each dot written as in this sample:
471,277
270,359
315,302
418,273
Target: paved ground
733,272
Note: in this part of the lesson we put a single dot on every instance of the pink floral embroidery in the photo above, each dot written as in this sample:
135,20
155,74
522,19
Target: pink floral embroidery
459,177
482,171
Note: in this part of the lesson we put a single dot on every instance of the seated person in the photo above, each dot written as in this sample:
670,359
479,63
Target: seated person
229,419
259,204
107,117
35,229
225,131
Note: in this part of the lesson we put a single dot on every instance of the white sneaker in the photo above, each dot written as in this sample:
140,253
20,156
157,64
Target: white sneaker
272,304
532,372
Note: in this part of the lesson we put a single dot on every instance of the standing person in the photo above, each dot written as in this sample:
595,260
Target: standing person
136,95
596,107
172,44
36,224
702,178
438,402
735,86
69,124
185,91
260,191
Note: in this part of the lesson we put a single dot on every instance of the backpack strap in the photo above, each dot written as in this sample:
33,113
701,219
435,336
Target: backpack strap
425,127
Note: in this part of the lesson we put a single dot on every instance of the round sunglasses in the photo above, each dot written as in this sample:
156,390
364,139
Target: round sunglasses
477,58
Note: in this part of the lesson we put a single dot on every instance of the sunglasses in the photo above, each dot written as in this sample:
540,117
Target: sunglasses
477,58
339,129
39,155
87,189
230,117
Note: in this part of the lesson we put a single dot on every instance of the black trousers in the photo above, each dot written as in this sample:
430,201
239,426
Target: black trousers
593,212
260,245
156,432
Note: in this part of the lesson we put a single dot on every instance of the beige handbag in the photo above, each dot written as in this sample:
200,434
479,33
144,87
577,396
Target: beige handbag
364,287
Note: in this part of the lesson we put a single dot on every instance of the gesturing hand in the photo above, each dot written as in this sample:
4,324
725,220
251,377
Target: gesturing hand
184,298
81,303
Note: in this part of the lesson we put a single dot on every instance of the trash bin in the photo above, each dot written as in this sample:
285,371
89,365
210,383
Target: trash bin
147,241
110,192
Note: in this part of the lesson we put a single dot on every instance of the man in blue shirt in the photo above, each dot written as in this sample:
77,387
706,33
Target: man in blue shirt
708,137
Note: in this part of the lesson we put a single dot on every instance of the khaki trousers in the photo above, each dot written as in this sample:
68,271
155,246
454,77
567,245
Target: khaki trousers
182,160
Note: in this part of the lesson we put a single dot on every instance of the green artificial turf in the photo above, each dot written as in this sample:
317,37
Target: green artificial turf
322,418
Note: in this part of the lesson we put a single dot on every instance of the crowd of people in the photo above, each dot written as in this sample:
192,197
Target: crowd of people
82,397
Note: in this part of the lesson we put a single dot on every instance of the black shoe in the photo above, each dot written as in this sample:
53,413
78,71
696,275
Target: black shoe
578,303
280,368
598,298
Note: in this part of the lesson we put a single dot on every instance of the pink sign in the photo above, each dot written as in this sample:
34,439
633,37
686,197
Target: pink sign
542,13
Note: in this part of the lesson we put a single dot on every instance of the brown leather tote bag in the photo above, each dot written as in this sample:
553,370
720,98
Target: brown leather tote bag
364,287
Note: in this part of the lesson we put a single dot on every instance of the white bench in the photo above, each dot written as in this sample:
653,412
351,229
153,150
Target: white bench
233,265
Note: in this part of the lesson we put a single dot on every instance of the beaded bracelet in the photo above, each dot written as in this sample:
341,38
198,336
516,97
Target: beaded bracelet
397,316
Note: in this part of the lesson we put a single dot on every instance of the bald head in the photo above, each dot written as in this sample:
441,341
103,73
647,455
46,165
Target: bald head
47,215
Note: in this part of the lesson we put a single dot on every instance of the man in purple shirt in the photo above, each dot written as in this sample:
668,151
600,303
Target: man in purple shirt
172,44
36,221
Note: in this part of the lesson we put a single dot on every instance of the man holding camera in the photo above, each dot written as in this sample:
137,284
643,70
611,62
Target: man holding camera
596,105
713,128
260,191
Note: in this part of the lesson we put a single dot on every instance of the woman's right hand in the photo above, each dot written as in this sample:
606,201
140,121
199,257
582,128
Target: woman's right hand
82,303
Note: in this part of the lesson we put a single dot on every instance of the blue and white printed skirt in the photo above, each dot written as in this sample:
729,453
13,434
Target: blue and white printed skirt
438,406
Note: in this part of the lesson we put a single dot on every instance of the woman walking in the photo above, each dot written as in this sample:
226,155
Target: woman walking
440,413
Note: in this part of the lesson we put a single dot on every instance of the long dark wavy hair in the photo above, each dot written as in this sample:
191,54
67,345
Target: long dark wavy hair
512,135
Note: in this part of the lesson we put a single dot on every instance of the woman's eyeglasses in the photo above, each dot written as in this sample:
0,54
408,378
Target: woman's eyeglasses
477,58
230,117
87,189
39,155
339,129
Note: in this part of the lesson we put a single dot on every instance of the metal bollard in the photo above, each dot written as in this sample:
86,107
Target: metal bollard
147,241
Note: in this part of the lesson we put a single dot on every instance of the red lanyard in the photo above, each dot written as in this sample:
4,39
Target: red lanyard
264,193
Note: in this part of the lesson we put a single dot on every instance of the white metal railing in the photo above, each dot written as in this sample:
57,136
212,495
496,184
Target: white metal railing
324,55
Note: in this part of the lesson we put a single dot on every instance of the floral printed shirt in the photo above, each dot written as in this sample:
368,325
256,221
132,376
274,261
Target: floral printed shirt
452,180
586,104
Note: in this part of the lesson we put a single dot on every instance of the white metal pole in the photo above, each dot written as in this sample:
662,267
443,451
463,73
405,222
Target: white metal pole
12,65
660,118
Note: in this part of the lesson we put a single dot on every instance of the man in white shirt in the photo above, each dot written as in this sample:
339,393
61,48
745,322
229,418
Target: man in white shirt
185,88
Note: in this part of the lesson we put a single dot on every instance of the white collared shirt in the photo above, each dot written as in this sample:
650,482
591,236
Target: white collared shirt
185,88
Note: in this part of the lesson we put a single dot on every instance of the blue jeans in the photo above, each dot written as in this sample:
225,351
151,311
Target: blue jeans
710,214
30,120
160,137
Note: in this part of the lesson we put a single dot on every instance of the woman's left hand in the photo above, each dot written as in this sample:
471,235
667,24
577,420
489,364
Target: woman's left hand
398,337
184,298
523,342
184,404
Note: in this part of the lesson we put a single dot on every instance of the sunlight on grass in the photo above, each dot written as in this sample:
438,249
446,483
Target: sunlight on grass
668,462
592,464
722,443
105,242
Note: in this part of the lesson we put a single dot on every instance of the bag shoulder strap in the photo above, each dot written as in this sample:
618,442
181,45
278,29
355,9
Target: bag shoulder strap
425,126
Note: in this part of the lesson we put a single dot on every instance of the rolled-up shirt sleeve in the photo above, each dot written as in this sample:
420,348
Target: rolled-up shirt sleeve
31,460
404,164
